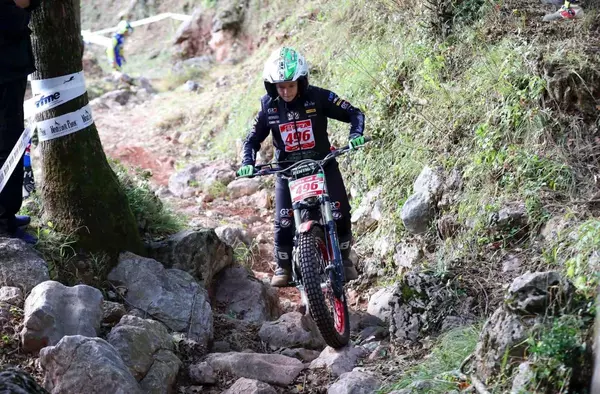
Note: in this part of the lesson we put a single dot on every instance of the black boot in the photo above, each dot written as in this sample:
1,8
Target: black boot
283,274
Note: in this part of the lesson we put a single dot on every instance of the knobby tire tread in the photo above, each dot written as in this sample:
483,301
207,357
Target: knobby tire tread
310,268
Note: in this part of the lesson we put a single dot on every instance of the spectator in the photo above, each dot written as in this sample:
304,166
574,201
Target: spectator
16,62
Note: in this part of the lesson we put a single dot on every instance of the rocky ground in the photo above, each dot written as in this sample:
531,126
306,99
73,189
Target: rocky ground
199,315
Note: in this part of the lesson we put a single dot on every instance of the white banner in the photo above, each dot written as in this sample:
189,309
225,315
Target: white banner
50,99
52,92
65,124
65,82
15,155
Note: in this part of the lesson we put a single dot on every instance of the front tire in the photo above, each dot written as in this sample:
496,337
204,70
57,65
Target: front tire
329,312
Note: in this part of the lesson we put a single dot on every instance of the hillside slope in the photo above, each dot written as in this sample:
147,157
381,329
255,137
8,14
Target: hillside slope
502,107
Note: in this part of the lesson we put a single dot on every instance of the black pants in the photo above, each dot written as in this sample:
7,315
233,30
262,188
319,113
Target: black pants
284,220
12,94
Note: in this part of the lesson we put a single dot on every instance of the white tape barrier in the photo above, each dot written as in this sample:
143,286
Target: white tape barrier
97,38
49,93
15,155
65,124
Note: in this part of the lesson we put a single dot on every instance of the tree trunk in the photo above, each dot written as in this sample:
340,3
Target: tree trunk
80,192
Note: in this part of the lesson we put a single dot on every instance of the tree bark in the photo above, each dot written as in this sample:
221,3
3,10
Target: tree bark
80,192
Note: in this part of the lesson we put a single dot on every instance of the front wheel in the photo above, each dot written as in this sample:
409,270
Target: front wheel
329,312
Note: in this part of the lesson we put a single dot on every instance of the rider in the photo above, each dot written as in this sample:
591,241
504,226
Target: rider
296,114
115,51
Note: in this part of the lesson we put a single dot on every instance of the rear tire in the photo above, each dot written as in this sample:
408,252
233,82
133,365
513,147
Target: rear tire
330,314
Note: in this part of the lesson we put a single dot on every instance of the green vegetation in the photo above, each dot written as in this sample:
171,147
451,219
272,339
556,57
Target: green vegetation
576,252
557,355
439,371
466,85
154,218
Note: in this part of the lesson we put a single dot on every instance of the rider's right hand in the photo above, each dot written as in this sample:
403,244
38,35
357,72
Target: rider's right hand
246,170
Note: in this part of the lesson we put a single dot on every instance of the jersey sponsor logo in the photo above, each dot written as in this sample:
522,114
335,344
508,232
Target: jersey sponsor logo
297,135
331,96
286,213
311,110
309,104
291,115
272,110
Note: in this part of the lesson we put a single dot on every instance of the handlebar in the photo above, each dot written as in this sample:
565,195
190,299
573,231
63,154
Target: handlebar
267,168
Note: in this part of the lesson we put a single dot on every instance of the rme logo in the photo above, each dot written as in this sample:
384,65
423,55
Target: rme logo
59,128
45,100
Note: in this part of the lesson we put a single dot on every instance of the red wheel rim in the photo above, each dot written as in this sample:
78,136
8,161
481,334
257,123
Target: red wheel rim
340,316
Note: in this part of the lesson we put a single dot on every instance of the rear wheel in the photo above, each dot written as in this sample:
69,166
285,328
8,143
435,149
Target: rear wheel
329,312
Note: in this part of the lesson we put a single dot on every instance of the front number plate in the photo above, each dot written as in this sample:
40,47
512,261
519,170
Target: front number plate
309,186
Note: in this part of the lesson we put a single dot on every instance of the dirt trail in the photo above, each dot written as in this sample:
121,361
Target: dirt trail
129,134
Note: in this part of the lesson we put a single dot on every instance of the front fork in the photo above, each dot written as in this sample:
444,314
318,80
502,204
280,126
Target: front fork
335,269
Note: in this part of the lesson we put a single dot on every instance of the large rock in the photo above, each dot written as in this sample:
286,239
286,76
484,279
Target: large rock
524,310
510,218
534,292
78,364
338,361
171,296
112,312
504,334
366,215
417,301
292,330
193,35
407,255
243,187
379,304
417,212
202,373
429,181
53,311
20,265
11,295
233,235
238,291
355,382
250,386
146,348
201,177
16,381
271,368
200,253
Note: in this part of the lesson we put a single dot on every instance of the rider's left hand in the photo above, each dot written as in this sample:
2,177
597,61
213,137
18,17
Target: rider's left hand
356,142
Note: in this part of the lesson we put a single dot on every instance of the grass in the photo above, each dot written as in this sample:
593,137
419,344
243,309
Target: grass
576,253
472,98
438,369
154,218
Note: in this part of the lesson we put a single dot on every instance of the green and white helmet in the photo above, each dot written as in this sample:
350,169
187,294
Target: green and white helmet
285,65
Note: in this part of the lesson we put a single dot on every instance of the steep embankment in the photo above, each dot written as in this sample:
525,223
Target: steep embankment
495,113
